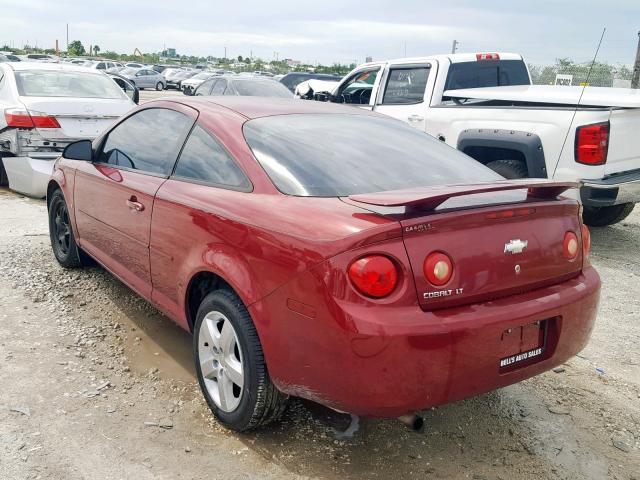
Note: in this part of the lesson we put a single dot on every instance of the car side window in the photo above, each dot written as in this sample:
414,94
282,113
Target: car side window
148,141
204,88
357,90
100,66
405,85
220,87
204,159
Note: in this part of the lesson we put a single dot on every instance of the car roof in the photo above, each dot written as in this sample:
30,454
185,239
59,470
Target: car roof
453,58
67,67
256,107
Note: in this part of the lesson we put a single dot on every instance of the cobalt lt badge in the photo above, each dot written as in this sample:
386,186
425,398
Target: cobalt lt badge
515,246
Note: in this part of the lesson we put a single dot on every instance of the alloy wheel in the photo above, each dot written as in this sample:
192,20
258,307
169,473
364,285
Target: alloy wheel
62,229
220,358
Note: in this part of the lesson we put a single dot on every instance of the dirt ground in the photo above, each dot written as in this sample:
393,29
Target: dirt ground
96,384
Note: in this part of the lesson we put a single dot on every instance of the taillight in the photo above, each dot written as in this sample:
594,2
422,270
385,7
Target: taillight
438,268
374,276
20,118
570,246
592,144
586,241
487,56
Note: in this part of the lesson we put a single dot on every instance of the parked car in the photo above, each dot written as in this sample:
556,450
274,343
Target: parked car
293,79
175,78
9,57
144,78
43,108
40,57
190,84
134,65
105,65
484,104
327,252
234,85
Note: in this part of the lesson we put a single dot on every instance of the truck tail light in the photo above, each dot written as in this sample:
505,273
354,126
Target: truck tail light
438,268
586,241
487,56
374,276
592,144
21,118
570,246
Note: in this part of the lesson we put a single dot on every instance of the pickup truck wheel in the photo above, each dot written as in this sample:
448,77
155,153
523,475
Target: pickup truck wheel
63,242
230,364
4,180
509,169
603,216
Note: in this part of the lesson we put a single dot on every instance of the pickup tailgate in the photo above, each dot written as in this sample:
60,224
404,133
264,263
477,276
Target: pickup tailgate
485,243
624,141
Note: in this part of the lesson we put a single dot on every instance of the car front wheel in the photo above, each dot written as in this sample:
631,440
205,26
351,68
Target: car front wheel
230,364
159,86
63,242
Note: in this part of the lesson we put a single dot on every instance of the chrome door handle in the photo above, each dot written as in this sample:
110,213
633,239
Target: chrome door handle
134,204
415,118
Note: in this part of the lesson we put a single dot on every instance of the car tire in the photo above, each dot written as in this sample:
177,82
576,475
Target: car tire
509,169
159,86
225,340
4,180
63,241
604,216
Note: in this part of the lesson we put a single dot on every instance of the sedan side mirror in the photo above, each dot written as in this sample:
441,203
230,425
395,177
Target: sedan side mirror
80,150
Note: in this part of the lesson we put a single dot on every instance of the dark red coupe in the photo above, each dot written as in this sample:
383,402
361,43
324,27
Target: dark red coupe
327,252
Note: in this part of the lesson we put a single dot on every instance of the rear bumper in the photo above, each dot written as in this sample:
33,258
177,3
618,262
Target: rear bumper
612,190
30,175
388,362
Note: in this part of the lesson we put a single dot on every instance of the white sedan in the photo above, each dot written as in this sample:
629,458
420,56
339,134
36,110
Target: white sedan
43,108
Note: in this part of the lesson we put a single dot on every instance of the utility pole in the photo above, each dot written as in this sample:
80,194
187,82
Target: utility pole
67,38
225,53
454,47
635,80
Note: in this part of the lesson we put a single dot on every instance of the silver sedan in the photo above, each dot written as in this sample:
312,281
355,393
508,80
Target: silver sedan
144,78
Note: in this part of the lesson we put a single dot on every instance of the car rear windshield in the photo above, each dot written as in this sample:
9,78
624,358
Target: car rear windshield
487,73
329,155
66,84
261,88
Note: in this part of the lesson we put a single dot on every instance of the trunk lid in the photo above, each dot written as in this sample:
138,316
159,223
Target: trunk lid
78,118
485,243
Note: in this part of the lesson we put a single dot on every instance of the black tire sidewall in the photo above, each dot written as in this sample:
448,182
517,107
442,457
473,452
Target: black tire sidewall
71,258
605,216
236,313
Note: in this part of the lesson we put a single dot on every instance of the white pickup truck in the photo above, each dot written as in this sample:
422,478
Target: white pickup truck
485,105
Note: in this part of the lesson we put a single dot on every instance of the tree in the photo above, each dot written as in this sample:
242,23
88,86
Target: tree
239,58
96,49
76,48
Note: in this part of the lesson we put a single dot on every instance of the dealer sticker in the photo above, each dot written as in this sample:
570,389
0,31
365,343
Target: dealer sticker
520,357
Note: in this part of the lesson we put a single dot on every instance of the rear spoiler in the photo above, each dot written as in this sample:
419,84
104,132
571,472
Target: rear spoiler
429,198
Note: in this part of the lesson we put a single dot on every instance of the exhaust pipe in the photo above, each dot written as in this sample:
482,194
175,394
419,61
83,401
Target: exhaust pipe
413,421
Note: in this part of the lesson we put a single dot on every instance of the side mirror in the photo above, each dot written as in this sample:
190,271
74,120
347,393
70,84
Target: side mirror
80,150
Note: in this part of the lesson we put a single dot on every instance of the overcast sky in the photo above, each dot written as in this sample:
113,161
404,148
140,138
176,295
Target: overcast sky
328,30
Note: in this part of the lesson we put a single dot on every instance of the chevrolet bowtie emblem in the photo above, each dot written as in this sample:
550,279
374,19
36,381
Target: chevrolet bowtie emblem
515,246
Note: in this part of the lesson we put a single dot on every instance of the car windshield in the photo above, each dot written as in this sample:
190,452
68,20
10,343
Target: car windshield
33,83
265,88
329,155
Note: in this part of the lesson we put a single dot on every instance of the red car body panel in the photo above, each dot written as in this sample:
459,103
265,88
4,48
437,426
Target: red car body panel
287,258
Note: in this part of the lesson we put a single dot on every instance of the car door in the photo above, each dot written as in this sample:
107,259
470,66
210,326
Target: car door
187,216
359,89
113,196
404,93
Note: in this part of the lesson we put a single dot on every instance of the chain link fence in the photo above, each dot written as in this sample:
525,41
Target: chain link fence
568,73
